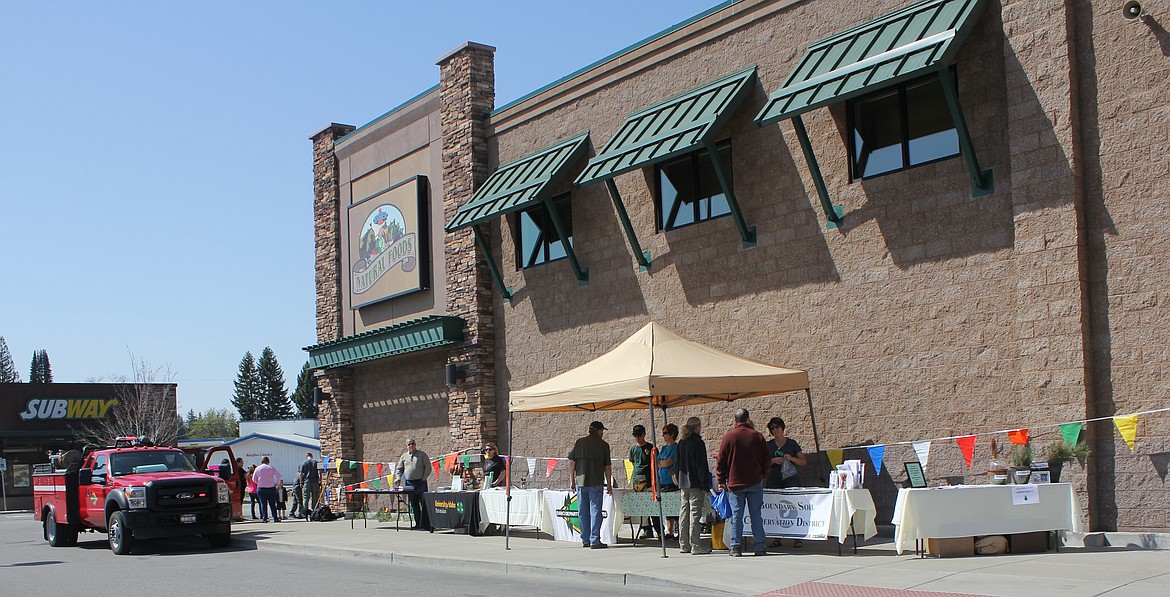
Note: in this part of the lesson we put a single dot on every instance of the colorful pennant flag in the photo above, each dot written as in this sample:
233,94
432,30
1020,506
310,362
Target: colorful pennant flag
836,457
380,469
967,446
1128,428
922,450
339,463
325,462
353,466
449,461
435,466
531,467
467,461
877,454
629,472
365,470
377,483
1018,437
1071,432
552,463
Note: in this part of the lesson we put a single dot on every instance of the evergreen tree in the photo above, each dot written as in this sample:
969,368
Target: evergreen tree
8,372
274,402
246,397
40,371
302,397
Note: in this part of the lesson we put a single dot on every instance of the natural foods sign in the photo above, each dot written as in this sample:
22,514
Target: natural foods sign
388,243
43,409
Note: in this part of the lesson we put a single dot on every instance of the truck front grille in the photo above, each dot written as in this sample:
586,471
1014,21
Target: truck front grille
180,494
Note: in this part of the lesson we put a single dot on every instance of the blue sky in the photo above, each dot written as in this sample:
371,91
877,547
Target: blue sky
156,171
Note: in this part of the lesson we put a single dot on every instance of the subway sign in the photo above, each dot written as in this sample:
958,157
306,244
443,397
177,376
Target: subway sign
41,409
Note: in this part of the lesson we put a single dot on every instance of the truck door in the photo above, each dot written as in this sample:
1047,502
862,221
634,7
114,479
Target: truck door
220,461
93,496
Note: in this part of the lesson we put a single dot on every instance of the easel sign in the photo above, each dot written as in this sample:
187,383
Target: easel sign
916,475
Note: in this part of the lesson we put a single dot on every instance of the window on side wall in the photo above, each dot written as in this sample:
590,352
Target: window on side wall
536,238
688,190
900,127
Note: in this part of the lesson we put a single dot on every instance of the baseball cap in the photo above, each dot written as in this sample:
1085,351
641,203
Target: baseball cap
639,431
597,425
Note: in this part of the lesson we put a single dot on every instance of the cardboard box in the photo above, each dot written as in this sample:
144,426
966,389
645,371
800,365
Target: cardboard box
951,548
1036,542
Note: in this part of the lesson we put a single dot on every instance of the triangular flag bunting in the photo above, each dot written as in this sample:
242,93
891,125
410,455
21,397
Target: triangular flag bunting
325,462
380,469
467,461
378,483
1018,437
836,457
339,463
390,480
629,472
531,467
1071,432
967,446
552,463
435,466
365,470
362,485
449,462
922,450
1128,428
876,455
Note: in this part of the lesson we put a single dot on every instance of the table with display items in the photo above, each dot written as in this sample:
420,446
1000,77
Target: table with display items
453,510
630,504
528,509
975,510
401,496
816,514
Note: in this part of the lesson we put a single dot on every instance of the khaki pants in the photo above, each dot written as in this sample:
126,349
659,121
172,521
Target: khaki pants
688,518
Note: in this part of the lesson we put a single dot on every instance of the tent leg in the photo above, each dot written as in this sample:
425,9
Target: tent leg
508,489
816,437
654,483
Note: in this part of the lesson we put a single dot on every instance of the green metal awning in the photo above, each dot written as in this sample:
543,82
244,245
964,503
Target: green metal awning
520,183
908,43
896,47
670,127
401,338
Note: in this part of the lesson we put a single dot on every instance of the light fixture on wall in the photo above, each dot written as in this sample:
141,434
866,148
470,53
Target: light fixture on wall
319,396
1132,10
455,373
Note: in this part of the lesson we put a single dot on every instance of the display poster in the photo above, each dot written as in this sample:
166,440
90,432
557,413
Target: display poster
388,243
795,515
21,476
563,512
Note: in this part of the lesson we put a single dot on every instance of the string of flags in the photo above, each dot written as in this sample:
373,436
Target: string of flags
1070,432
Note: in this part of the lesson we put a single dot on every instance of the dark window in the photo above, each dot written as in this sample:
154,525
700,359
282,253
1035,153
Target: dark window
900,127
536,238
688,190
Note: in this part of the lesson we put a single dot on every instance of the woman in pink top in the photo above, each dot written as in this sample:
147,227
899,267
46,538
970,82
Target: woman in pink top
252,490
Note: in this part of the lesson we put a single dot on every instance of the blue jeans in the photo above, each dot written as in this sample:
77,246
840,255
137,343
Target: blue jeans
268,498
753,498
589,508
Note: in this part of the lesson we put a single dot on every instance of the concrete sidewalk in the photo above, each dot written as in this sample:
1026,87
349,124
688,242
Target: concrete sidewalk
811,571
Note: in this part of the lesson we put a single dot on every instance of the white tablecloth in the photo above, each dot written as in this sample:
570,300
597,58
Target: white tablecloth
972,510
528,509
849,505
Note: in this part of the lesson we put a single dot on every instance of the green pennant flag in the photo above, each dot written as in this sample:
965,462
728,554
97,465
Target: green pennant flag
353,465
1071,432
467,460
377,484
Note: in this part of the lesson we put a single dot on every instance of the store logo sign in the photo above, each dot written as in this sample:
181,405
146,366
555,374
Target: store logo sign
384,245
62,408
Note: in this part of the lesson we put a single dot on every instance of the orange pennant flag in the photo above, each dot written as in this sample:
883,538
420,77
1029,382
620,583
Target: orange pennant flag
365,470
1018,437
449,462
967,446
435,465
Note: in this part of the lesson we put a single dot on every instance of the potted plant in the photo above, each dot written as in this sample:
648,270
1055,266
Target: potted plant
1060,452
996,471
1021,463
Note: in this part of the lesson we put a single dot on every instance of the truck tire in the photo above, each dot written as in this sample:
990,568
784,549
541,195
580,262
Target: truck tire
219,540
59,535
121,538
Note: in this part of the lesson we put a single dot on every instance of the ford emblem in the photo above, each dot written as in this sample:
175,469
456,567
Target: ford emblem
186,495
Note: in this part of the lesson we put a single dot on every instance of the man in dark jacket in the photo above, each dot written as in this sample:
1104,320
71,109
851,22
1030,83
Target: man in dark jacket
742,465
694,480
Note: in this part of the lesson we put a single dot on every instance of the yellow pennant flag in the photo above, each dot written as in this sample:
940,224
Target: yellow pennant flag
629,472
390,480
339,461
836,457
1128,428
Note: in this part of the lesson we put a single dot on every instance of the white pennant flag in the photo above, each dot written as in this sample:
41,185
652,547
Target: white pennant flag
531,467
922,449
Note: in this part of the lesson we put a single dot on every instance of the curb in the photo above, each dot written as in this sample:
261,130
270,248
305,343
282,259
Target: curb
620,578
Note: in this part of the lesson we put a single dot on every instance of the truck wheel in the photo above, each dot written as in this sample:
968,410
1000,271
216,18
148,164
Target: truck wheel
59,535
121,539
220,539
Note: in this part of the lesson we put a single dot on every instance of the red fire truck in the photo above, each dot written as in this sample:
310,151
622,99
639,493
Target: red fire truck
134,490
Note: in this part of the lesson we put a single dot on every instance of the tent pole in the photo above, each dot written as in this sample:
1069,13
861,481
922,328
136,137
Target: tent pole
816,437
508,489
654,479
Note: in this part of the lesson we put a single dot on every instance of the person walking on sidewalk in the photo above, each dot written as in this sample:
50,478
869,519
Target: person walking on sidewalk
311,480
742,464
590,470
694,479
414,466
267,479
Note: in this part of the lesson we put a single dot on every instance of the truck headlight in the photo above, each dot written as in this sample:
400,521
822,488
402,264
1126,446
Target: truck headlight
136,496
225,495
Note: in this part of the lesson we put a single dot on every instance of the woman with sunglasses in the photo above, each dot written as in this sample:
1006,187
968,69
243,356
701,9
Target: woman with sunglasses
493,466
666,457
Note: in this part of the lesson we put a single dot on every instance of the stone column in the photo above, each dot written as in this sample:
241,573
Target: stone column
467,95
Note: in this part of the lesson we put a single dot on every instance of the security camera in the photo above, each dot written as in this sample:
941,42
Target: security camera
1132,10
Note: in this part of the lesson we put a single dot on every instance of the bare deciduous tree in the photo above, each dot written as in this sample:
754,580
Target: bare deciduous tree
147,407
